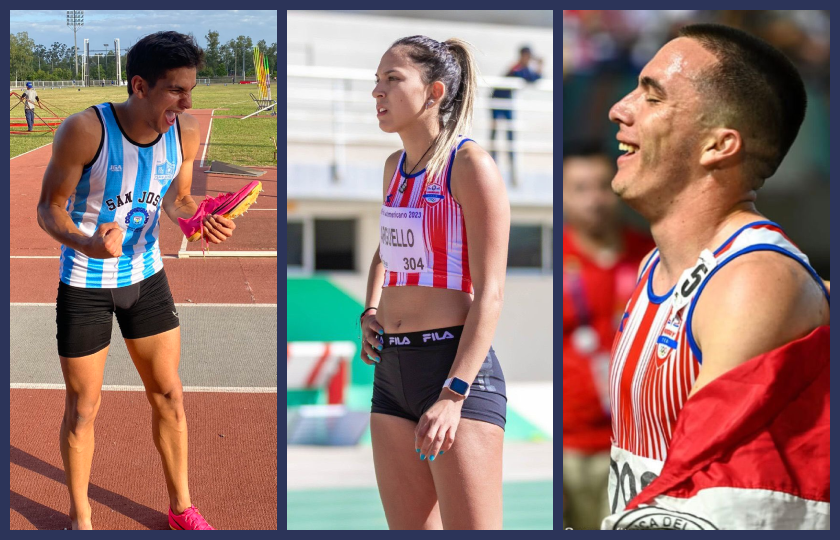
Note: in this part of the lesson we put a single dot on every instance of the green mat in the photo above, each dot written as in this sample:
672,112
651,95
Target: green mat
527,506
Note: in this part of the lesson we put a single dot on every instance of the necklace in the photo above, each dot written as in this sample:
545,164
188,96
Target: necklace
405,178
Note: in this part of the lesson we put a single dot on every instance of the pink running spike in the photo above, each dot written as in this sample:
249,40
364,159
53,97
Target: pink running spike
228,205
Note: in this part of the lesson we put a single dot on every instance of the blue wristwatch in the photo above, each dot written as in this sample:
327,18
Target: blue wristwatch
459,386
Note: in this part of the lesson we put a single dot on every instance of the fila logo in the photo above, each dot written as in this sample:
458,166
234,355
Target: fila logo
436,336
394,340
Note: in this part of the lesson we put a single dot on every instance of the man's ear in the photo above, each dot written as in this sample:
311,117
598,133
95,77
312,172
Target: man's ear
722,145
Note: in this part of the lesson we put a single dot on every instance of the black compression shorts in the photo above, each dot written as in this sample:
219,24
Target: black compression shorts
413,368
84,316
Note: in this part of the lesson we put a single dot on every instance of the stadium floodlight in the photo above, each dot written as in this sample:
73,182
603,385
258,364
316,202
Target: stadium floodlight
75,20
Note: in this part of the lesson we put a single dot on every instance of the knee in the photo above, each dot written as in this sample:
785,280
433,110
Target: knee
80,412
168,402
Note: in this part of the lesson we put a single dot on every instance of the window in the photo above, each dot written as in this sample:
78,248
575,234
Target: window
525,247
335,241
294,244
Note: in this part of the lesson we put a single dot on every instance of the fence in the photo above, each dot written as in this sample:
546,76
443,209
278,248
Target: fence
56,85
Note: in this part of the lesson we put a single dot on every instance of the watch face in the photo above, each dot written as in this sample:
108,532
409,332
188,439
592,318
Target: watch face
459,386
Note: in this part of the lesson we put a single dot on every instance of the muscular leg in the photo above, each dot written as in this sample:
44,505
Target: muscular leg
405,484
83,379
156,359
468,477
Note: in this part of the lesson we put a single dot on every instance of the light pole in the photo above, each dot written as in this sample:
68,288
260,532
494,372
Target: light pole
75,19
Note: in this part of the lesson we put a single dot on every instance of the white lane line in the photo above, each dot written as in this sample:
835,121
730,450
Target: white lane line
124,388
183,247
177,304
57,257
207,140
23,154
199,254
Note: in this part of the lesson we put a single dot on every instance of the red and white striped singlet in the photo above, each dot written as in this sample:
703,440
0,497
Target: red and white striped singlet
423,239
655,360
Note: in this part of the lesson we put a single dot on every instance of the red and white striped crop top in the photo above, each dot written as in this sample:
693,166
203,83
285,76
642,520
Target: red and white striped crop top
423,240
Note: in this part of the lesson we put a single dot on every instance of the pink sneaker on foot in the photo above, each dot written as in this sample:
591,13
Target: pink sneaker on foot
190,520
229,205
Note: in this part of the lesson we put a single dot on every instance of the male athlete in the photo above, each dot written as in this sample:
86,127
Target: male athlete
114,167
719,372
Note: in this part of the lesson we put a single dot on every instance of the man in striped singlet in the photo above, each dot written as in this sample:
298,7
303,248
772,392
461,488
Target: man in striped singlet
114,167
724,343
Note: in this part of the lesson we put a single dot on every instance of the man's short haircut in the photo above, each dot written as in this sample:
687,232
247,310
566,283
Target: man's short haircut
155,54
755,89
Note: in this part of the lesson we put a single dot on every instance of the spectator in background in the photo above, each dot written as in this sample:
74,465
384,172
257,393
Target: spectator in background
600,260
522,69
30,98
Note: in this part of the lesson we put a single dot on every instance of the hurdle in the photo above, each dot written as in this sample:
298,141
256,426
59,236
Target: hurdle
314,365
264,101
54,120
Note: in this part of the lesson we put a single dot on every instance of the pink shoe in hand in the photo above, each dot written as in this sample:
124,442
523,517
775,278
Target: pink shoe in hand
229,205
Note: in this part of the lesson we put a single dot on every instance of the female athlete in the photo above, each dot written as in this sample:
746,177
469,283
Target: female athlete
434,295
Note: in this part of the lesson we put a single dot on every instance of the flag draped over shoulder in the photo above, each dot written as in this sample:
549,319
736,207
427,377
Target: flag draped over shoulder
751,450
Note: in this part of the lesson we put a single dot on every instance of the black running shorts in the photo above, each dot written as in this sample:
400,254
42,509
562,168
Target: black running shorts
84,316
413,368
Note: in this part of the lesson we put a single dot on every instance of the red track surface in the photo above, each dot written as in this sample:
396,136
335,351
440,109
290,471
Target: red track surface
233,479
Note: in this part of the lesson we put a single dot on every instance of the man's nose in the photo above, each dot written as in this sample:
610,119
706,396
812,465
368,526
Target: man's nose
620,112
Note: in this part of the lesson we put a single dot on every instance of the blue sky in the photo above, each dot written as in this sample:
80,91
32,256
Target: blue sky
101,26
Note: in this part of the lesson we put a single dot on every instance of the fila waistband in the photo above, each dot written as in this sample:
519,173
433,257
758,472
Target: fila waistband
423,338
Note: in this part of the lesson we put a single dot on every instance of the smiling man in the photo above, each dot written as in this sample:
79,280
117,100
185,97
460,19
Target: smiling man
719,372
113,168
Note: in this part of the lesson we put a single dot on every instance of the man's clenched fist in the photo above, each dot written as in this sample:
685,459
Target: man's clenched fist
106,242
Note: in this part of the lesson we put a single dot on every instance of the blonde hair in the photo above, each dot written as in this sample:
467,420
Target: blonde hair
452,63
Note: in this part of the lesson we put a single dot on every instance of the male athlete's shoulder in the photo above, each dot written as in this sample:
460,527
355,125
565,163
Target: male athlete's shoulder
79,135
756,303
189,131
188,122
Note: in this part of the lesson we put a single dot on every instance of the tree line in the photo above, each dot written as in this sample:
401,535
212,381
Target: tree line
34,61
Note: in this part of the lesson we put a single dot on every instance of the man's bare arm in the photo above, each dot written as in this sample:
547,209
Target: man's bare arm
75,145
178,203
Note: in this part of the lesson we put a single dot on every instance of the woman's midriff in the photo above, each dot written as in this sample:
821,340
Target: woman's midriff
411,309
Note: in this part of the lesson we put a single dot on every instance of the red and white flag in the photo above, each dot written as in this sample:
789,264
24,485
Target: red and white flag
751,450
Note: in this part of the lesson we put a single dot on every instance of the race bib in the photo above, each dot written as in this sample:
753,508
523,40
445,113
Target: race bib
401,244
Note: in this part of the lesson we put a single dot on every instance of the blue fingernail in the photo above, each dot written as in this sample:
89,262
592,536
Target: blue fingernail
417,450
441,451
381,332
380,347
422,457
378,359
431,458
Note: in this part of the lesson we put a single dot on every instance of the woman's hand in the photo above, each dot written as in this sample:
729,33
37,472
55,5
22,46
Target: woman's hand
827,286
371,330
435,432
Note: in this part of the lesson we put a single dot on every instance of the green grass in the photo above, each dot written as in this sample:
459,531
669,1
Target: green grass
242,142
527,506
